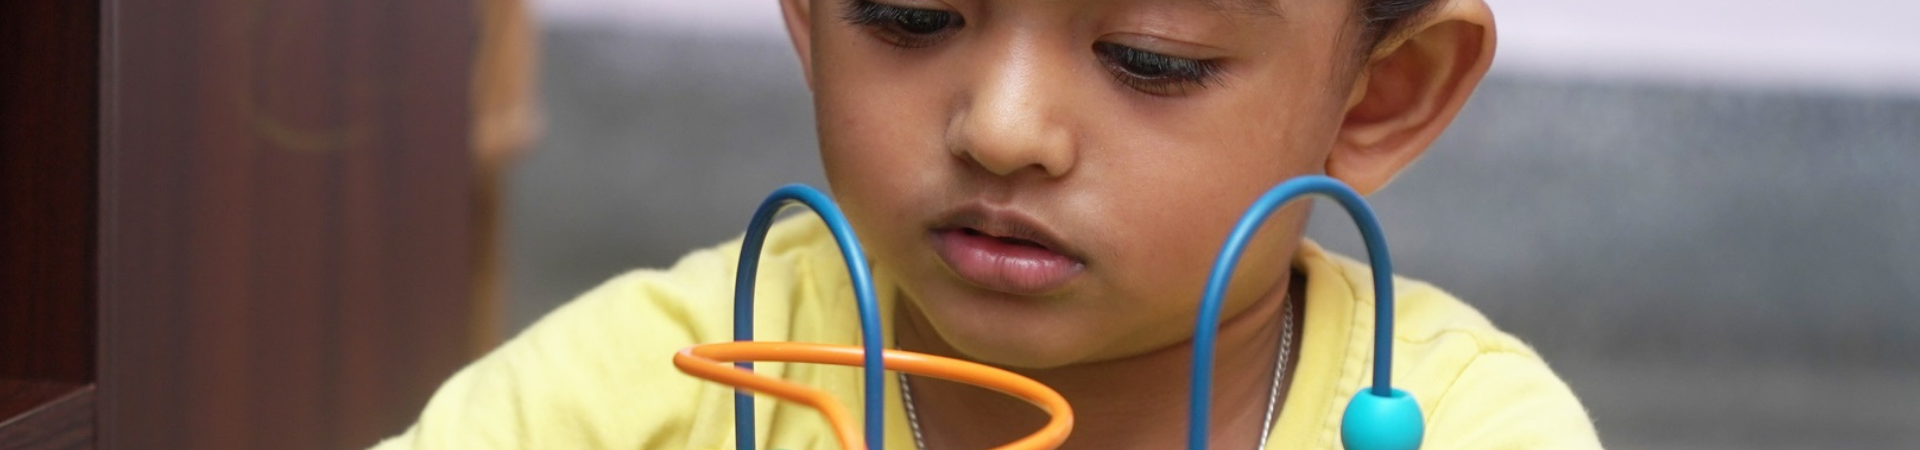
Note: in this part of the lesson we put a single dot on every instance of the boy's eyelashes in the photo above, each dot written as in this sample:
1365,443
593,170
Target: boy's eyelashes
1141,70
901,26
1154,73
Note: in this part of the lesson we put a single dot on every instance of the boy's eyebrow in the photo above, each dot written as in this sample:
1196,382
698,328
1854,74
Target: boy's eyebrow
1253,7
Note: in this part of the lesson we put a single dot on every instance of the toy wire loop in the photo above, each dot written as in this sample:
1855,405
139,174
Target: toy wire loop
1380,417
705,361
1208,324
856,259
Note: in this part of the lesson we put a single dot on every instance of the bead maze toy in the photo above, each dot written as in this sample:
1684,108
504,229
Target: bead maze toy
1379,417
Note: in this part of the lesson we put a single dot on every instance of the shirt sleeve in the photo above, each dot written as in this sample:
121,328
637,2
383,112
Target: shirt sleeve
1509,400
593,374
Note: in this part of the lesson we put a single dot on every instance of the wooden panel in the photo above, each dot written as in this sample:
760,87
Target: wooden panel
56,415
285,236
48,52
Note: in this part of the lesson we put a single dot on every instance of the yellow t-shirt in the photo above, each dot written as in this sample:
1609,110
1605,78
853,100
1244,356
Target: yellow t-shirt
596,373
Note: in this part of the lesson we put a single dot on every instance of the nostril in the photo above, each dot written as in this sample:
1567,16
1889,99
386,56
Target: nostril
1007,133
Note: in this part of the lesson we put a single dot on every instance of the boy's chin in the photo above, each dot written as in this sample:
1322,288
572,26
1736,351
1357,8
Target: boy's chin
1025,355
1017,342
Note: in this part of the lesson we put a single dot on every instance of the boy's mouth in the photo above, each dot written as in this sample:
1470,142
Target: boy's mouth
1004,252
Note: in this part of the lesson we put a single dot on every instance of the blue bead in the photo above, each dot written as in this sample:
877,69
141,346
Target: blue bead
1373,422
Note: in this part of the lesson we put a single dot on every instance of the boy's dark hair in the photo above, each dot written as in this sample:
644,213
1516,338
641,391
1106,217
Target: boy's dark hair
1379,19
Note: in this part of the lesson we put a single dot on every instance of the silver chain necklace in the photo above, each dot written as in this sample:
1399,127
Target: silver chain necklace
1266,425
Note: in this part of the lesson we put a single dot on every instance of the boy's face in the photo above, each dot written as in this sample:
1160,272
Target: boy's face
1050,181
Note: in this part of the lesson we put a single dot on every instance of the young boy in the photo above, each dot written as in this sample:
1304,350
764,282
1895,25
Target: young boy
1042,185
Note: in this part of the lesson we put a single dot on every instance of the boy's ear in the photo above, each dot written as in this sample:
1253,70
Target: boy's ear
799,16
1409,89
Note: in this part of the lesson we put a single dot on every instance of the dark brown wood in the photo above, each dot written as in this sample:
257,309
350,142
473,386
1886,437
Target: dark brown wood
230,224
48,93
286,232
48,131
50,415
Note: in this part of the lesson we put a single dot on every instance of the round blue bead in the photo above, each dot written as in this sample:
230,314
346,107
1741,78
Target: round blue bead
1373,422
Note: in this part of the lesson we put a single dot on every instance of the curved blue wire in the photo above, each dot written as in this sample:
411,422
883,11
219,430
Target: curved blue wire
871,368
1208,325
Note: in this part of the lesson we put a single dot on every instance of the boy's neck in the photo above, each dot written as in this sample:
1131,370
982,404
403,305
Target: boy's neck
1133,402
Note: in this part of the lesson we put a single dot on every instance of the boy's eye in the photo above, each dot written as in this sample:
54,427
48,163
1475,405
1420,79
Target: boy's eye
1154,73
902,26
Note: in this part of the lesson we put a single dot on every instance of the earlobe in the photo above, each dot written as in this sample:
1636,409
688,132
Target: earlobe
1409,91
799,15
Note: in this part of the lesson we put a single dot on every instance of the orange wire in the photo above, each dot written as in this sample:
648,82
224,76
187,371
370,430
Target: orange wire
710,362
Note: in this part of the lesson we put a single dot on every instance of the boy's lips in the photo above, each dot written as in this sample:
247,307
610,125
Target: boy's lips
1003,251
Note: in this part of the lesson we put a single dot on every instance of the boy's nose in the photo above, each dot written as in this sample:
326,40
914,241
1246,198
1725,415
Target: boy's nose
1012,117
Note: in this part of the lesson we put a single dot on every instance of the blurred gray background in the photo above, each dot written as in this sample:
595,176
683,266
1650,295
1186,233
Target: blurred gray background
1709,223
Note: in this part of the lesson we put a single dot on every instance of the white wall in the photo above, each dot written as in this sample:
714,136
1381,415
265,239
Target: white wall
1848,45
